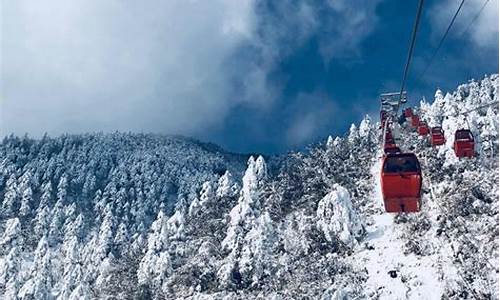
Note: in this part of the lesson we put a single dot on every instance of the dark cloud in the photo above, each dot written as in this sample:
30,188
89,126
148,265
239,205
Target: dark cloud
252,75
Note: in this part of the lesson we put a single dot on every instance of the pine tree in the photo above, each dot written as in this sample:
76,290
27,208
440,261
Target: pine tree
103,256
72,271
26,202
10,266
156,266
81,292
226,186
12,288
122,239
248,207
353,137
243,219
257,258
337,219
62,189
11,197
56,223
40,283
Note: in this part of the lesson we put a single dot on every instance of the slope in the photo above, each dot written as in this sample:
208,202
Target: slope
151,217
450,248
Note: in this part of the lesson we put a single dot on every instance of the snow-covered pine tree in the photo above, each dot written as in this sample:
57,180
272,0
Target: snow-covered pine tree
11,197
243,218
40,282
10,266
155,266
337,218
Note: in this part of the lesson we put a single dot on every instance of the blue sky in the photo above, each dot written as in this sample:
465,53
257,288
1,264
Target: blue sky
253,76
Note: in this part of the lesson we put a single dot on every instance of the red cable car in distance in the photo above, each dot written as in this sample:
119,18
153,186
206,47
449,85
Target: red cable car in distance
389,140
401,182
408,112
437,136
414,120
388,134
422,128
464,143
383,118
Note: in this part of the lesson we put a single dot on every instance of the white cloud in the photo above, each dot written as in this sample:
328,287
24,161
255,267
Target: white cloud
352,22
484,31
127,65
177,66
311,113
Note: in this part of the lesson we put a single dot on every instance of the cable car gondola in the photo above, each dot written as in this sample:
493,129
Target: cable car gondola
464,143
383,118
422,128
401,182
388,134
414,120
389,140
437,136
383,115
408,112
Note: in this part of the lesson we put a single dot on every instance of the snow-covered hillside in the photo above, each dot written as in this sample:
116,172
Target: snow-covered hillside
149,217
450,249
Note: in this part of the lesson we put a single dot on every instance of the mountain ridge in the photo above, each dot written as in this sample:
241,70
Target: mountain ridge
153,217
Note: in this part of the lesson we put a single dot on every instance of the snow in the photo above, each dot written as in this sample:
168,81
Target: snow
417,277
142,216
382,252
383,249
337,218
12,229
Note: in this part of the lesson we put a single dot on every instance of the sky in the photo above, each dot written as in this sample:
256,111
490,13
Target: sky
250,75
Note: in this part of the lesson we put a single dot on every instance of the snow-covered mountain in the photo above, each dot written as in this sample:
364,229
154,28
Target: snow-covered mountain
135,216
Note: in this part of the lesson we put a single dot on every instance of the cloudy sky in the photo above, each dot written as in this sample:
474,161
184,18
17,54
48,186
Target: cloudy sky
250,75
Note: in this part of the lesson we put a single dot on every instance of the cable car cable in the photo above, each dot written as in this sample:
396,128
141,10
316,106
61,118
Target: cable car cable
410,51
475,18
441,41
407,65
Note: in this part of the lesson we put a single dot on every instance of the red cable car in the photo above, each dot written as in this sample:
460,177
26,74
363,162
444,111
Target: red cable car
437,136
389,144
388,134
401,181
389,140
414,120
383,116
422,128
408,112
464,143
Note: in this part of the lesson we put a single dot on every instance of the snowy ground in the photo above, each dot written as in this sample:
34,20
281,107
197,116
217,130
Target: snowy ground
382,251
392,271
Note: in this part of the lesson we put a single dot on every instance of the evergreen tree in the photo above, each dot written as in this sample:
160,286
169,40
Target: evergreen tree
40,282
26,202
337,219
11,197
156,266
11,263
